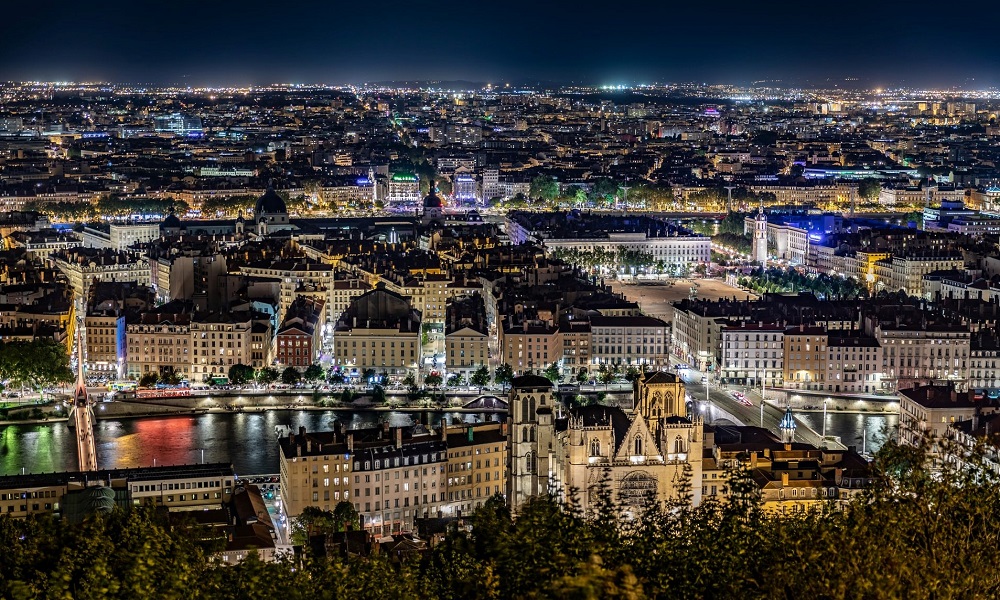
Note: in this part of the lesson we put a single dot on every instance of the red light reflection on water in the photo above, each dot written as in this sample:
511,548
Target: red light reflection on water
167,441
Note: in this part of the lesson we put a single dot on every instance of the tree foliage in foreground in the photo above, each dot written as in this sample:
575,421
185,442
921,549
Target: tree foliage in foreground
919,535
35,364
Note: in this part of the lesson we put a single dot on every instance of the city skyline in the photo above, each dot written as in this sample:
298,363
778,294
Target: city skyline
248,43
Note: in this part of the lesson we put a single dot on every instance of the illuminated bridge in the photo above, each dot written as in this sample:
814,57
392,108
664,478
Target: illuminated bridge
83,416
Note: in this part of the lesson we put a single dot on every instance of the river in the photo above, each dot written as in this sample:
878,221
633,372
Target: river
245,439
248,439
849,427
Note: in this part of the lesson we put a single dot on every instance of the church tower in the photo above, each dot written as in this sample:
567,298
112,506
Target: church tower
759,254
659,395
531,429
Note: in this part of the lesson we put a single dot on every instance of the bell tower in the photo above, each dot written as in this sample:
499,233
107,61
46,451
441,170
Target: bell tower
760,236
659,395
529,438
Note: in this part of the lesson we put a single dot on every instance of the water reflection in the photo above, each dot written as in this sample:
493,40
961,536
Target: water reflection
854,429
245,439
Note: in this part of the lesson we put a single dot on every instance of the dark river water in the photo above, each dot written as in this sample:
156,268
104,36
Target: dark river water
247,440
849,427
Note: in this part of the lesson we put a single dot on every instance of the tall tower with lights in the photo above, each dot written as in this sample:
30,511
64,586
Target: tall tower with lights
759,253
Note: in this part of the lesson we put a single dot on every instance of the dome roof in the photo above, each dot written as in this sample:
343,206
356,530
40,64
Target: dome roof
270,203
171,222
99,499
431,200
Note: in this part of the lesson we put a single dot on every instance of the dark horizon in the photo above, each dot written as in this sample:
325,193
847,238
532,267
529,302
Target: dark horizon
252,43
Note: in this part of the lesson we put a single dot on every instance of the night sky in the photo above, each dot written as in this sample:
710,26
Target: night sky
608,42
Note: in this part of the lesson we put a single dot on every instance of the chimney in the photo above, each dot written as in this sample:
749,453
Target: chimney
399,437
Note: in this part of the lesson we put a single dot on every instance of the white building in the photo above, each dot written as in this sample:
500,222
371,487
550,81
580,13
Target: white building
753,353
932,354
119,237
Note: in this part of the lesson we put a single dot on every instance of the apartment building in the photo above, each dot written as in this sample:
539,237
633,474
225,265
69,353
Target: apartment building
393,476
429,292
805,358
118,236
477,466
182,276
299,339
696,330
73,495
906,272
403,188
294,276
854,364
379,330
160,342
923,354
219,341
83,266
343,290
531,344
753,354
466,336
104,324
930,410
629,340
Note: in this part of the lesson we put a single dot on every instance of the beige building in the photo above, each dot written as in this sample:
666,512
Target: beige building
806,356
393,476
161,341
466,336
696,330
73,495
933,353
343,292
534,344
83,266
907,272
629,340
477,466
854,364
930,410
380,331
218,342
105,341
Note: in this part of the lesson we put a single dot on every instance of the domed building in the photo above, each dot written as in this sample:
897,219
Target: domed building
433,207
171,225
270,213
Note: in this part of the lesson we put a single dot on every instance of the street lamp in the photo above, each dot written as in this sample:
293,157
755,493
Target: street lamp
825,400
708,400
